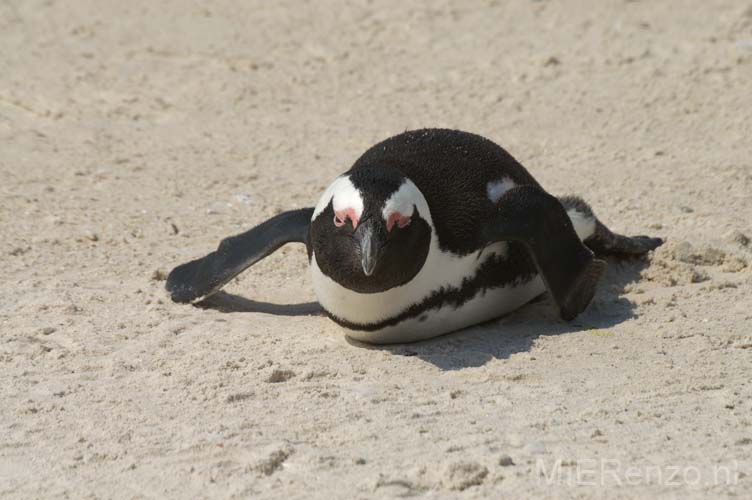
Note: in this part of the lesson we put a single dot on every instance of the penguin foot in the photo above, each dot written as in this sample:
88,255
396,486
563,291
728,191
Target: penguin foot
582,290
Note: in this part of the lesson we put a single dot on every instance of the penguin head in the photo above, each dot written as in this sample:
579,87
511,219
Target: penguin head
371,230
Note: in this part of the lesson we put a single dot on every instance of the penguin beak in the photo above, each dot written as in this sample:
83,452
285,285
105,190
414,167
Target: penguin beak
369,247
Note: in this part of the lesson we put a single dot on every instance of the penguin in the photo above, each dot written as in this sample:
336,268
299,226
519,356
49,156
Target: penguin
430,231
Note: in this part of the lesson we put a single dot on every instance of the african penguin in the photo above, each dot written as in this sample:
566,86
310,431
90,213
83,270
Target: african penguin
430,231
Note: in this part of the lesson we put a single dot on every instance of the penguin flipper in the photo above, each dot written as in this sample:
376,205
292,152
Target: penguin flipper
197,279
538,220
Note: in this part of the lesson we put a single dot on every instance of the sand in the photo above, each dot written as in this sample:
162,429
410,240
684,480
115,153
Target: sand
135,135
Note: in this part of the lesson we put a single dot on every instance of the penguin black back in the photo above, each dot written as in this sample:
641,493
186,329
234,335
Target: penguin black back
453,170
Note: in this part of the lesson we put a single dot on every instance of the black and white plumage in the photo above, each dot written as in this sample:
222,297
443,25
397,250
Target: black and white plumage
430,231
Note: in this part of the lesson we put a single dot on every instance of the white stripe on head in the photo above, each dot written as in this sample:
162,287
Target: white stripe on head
402,202
343,195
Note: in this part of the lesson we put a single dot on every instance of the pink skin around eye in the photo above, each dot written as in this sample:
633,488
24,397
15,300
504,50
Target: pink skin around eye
341,216
402,221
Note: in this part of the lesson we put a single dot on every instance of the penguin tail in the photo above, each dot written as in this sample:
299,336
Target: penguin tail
599,238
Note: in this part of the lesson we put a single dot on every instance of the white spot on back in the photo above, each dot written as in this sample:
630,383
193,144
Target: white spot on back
496,189
343,194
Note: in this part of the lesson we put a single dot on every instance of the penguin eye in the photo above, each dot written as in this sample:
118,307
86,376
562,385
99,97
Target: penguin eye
341,217
402,221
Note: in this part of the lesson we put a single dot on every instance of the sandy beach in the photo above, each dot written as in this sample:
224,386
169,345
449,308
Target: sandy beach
134,136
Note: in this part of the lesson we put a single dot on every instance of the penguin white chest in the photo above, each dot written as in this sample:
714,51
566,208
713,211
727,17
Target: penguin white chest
439,299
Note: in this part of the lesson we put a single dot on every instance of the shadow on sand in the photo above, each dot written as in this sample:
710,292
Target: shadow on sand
229,303
499,338
518,331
